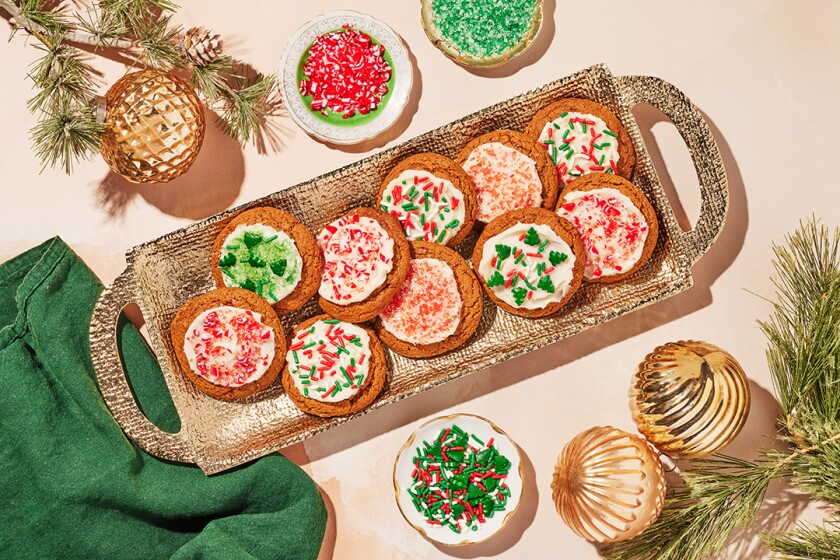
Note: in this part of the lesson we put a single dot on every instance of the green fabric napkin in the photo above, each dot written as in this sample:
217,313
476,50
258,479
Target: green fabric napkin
75,487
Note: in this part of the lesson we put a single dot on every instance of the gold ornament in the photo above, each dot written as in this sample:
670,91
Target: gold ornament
608,485
690,398
200,46
154,127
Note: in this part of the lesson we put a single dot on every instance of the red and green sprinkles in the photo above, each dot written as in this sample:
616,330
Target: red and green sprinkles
458,480
579,144
518,279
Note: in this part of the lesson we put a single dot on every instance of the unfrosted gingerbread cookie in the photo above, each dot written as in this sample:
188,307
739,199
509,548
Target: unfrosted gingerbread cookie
229,342
438,307
583,137
365,255
509,171
333,368
530,262
269,252
432,198
616,223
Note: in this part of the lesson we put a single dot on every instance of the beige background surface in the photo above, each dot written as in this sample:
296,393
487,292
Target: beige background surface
765,75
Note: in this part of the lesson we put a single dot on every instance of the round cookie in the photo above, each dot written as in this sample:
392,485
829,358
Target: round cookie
362,395
491,187
339,282
533,241
242,300
579,123
230,267
469,315
610,210
441,210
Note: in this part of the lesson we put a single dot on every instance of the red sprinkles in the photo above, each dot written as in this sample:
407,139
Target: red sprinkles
346,73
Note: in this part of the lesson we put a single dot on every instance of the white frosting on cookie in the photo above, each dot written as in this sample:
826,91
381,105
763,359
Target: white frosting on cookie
428,207
580,143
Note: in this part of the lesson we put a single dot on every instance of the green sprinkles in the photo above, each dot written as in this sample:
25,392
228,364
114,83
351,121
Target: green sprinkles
484,28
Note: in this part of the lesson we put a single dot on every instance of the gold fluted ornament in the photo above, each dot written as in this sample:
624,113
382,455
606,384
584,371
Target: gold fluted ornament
689,398
154,127
608,485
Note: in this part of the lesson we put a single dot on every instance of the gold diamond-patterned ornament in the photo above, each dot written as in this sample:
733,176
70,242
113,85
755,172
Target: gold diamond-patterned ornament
154,127
200,46
608,485
689,398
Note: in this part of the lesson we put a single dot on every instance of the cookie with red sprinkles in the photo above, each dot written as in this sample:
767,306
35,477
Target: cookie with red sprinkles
438,307
530,262
583,137
365,255
616,222
333,368
269,252
229,342
432,198
509,171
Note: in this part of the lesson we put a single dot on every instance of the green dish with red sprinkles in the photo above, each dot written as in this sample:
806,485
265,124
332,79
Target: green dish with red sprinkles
460,479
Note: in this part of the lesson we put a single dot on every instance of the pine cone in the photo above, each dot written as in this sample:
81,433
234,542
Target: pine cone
201,47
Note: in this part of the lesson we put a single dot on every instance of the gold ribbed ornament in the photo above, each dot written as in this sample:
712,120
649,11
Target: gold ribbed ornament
608,485
690,398
154,127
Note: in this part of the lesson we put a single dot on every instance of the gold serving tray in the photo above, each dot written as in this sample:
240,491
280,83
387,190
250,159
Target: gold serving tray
164,273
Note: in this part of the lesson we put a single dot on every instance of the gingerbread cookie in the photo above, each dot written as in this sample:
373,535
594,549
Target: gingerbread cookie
269,252
583,137
437,308
432,198
365,255
509,171
229,342
616,223
530,262
333,368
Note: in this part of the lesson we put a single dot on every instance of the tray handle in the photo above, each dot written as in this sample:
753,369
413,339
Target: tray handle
112,380
704,152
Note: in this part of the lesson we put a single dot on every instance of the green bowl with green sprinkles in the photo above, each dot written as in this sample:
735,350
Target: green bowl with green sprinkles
458,479
482,33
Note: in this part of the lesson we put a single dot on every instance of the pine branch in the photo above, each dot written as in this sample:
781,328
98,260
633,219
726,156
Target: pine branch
807,542
64,135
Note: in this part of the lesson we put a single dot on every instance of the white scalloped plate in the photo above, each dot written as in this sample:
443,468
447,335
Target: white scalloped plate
300,42
485,430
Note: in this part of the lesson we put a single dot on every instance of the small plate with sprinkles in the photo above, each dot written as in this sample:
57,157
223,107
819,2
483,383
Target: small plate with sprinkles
345,77
458,479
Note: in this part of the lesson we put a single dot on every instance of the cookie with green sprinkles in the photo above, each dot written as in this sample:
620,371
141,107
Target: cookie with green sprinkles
229,343
269,252
530,262
483,33
458,479
583,137
333,368
432,198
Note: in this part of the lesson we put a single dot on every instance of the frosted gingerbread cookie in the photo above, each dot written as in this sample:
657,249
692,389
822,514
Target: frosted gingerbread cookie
616,223
437,308
269,252
509,171
333,368
583,137
365,256
530,262
229,342
432,198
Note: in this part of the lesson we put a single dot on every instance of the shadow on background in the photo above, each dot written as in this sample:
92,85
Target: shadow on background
705,272
210,186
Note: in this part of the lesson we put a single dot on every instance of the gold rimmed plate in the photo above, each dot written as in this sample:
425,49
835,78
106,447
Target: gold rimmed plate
484,430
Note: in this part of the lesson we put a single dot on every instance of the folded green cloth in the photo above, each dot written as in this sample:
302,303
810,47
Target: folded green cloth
73,486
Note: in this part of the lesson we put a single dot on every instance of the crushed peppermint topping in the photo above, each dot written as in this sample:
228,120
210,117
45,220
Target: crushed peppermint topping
427,307
504,179
612,229
229,346
428,208
346,72
358,255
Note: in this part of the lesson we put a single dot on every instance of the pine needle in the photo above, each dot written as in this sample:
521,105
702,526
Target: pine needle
807,542
65,135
